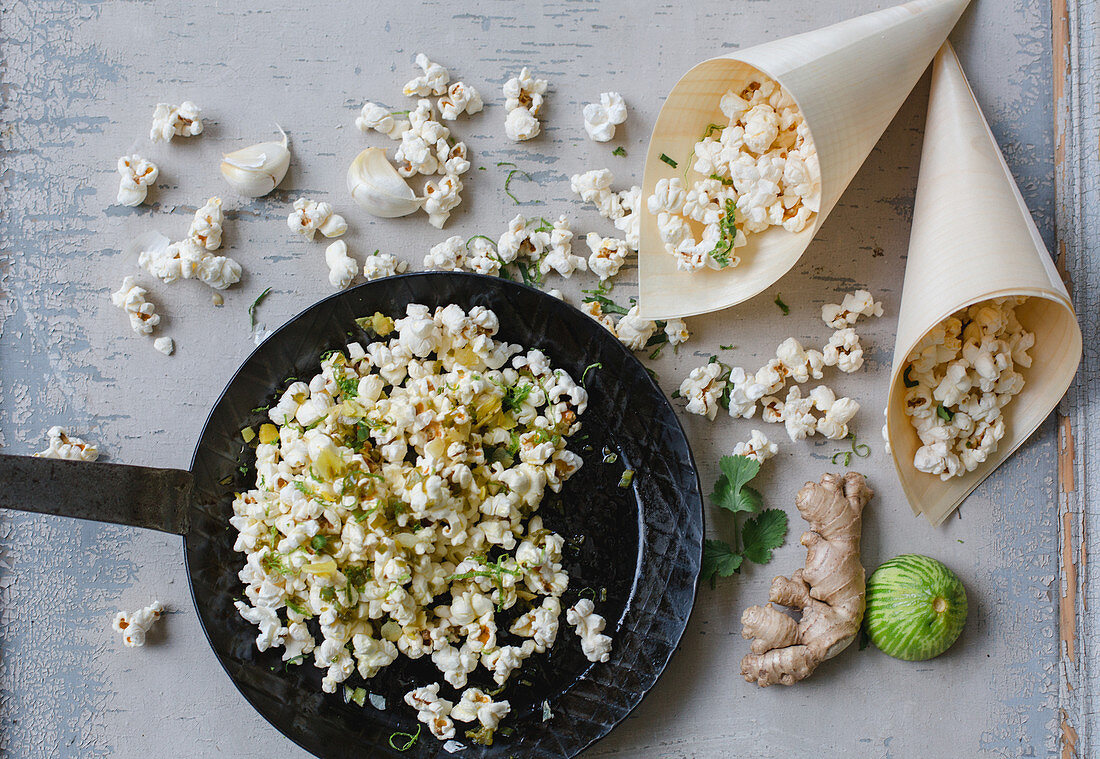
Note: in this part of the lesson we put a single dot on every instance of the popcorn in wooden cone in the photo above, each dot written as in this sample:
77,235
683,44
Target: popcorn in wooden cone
987,339
815,104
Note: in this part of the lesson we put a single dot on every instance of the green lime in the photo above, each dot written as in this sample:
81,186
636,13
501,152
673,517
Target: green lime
916,607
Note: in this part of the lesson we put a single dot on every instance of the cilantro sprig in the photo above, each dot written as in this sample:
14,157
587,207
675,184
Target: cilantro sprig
758,535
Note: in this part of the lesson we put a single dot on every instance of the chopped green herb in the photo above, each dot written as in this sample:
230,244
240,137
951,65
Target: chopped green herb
514,397
399,113
412,738
944,413
722,250
619,151
587,369
252,308
724,180
319,542
711,129
627,479
608,305
726,347
669,161
357,576
261,409
481,168
905,377
297,609
782,306
348,386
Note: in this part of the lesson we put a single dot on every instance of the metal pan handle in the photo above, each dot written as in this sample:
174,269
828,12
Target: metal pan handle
139,496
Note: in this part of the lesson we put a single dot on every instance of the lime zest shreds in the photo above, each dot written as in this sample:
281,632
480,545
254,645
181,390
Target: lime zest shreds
619,151
412,738
252,308
587,369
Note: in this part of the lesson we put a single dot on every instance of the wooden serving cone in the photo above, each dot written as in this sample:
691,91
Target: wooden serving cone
848,79
973,239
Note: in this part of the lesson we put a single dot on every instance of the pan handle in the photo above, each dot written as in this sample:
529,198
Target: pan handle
139,496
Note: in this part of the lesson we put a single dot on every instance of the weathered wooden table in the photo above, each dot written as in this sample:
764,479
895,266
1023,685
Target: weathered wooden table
79,84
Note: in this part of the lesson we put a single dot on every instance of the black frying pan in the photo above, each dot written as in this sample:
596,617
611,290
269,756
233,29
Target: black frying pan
637,549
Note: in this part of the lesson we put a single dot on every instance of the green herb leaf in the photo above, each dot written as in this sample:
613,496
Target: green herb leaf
722,250
719,560
731,491
762,534
609,306
726,347
944,413
619,151
252,308
319,542
348,386
782,306
669,161
905,377
514,397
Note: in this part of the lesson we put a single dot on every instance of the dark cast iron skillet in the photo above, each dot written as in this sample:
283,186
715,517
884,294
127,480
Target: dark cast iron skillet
636,549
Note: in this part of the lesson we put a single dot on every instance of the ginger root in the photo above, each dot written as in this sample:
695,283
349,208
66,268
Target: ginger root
830,591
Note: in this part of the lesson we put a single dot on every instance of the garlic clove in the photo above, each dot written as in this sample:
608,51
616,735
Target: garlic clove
377,187
257,170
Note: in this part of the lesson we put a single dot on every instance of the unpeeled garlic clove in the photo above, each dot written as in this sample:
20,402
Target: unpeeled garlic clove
257,170
377,187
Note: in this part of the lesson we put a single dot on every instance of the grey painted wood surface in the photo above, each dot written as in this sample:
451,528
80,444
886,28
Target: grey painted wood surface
80,82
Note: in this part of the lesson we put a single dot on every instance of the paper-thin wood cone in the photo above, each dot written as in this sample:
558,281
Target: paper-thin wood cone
973,239
848,79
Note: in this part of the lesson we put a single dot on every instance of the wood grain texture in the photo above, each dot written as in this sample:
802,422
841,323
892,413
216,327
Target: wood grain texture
79,84
1076,53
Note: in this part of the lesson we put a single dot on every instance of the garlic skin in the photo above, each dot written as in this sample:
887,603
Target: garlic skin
378,189
257,170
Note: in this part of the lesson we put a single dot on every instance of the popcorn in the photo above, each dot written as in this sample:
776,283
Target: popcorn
524,99
374,117
838,412
703,388
633,331
131,299
422,143
856,304
481,256
310,217
206,227
519,240
844,351
460,98
561,257
342,268
381,492
136,177
442,198
745,390
600,119
758,447
61,446
433,81
164,345
449,255
797,415
607,257
378,265
589,627
135,626
184,120
756,171
595,310
677,332
958,378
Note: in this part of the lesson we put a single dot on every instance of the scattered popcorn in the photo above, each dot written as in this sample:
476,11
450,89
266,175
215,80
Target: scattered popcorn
838,412
481,256
184,120
165,345
857,304
342,268
600,119
589,626
677,332
703,389
561,257
131,299
744,391
442,198
844,351
958,379
460,98
758,170
519,240
206,227
61,446
622,208
374,116
758,447
136,176
376,507
135,626
449,255
607,257
433,80
524,99
378,265
187,259
595,310
555,293
633,331
310,217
